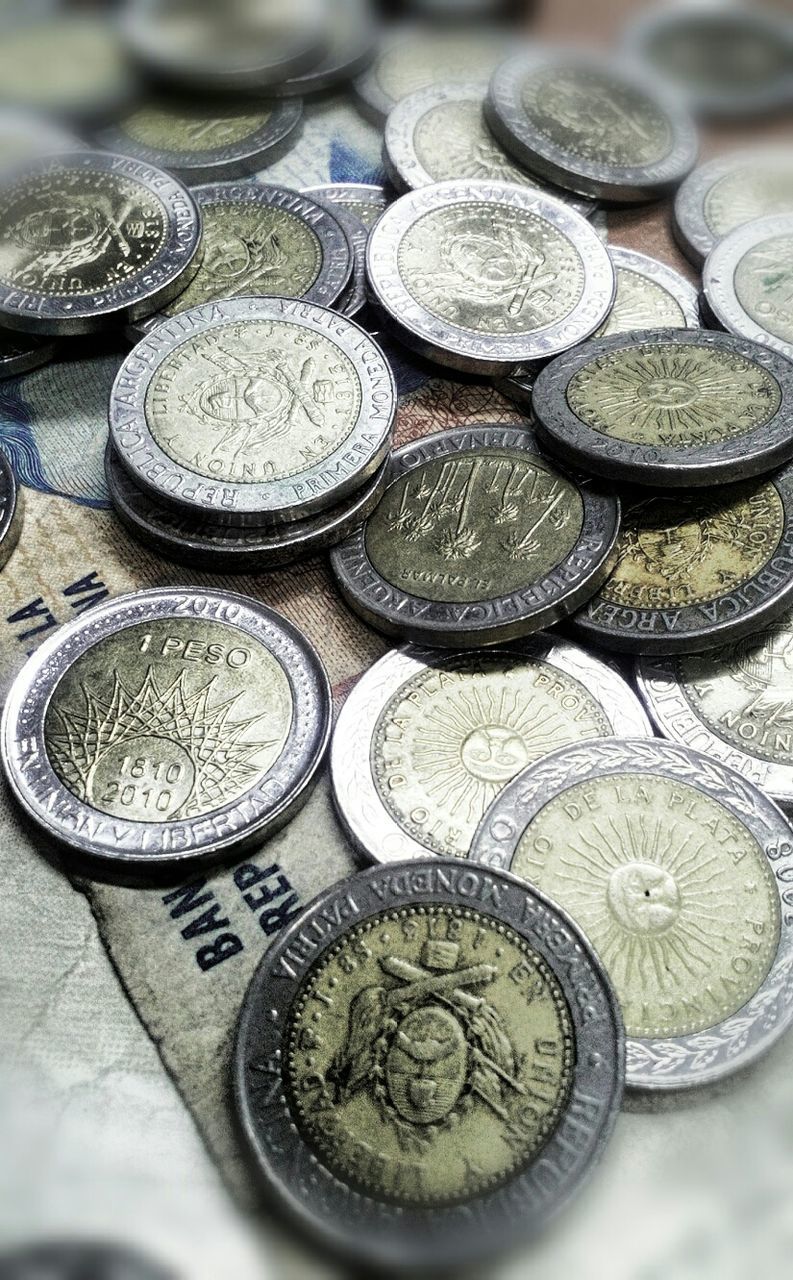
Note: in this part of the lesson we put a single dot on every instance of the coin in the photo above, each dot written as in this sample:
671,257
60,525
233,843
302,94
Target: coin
590,125
366,200
482,276
478,539
65,65
166,726
426,740
696,570
669,408
208,142
264,241
90,237
225,548
735,703
351,39
650,295
428,1062
748,281
20,352
728,192
253,411
353,299
11,509
674,866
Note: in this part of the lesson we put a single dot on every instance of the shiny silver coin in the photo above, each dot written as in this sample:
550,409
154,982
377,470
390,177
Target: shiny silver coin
650,295
351,42
381,979
166,726
21,352
214,547
254,411
484,276
61,66
675,867
748,280
366,200
668,408
89,237
353,299
11,509
730,191
426,740
590,125
208,142
477,540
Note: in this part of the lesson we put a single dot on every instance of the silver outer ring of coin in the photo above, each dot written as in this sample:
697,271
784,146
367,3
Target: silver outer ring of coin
697,628
689,223
258,812
175,266
671,281
317,487
367,821
224,163
461,348
23,353
353,299
499,619
718,277
336,270
576,444
626,183
223,547
12,508
371,1230
671,1062
334,69
354,195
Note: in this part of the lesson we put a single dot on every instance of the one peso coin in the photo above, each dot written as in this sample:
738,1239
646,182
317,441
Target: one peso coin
697,569
253,411
426,740
650,295
728,192
676,869
478,539
11,509
89,237
748,281
668,408
353,298
428,1064
483,276
166,726
591,126
366,200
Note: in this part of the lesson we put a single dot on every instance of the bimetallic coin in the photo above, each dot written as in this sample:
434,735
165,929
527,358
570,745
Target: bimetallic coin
351,40
668,408
208,143
478,539
728,192
11,509
590,125
89,237
735,703
483,276
426,741
20,352
748,281
167,726
207,545
253,411
366,200
353,299
650,295
428,1063
64,65
674,867
696,570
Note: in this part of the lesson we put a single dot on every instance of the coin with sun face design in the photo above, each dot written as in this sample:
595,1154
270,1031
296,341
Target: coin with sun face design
426,741
675,867
166,726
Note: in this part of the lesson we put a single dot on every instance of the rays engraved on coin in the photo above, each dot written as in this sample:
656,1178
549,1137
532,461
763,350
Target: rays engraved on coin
595,117
747,194
764,285
453,141
641,303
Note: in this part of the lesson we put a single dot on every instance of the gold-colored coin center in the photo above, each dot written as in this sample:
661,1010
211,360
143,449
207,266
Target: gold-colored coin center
668,393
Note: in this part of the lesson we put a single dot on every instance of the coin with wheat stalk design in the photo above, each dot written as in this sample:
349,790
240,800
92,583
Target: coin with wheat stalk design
166,726
428,1064
477,539
677,869
748,282
425,741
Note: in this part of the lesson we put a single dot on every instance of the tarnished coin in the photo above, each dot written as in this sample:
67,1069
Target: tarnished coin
353,298
253,411
426,740
675,868
478,539
21,352
590,125
208,142
351,39
428,1063
696,570
366,200
11,509
70,66
650,295
668,408
207,545
88,237
728,192
263,241
735,703
482,276
167,726
748,281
